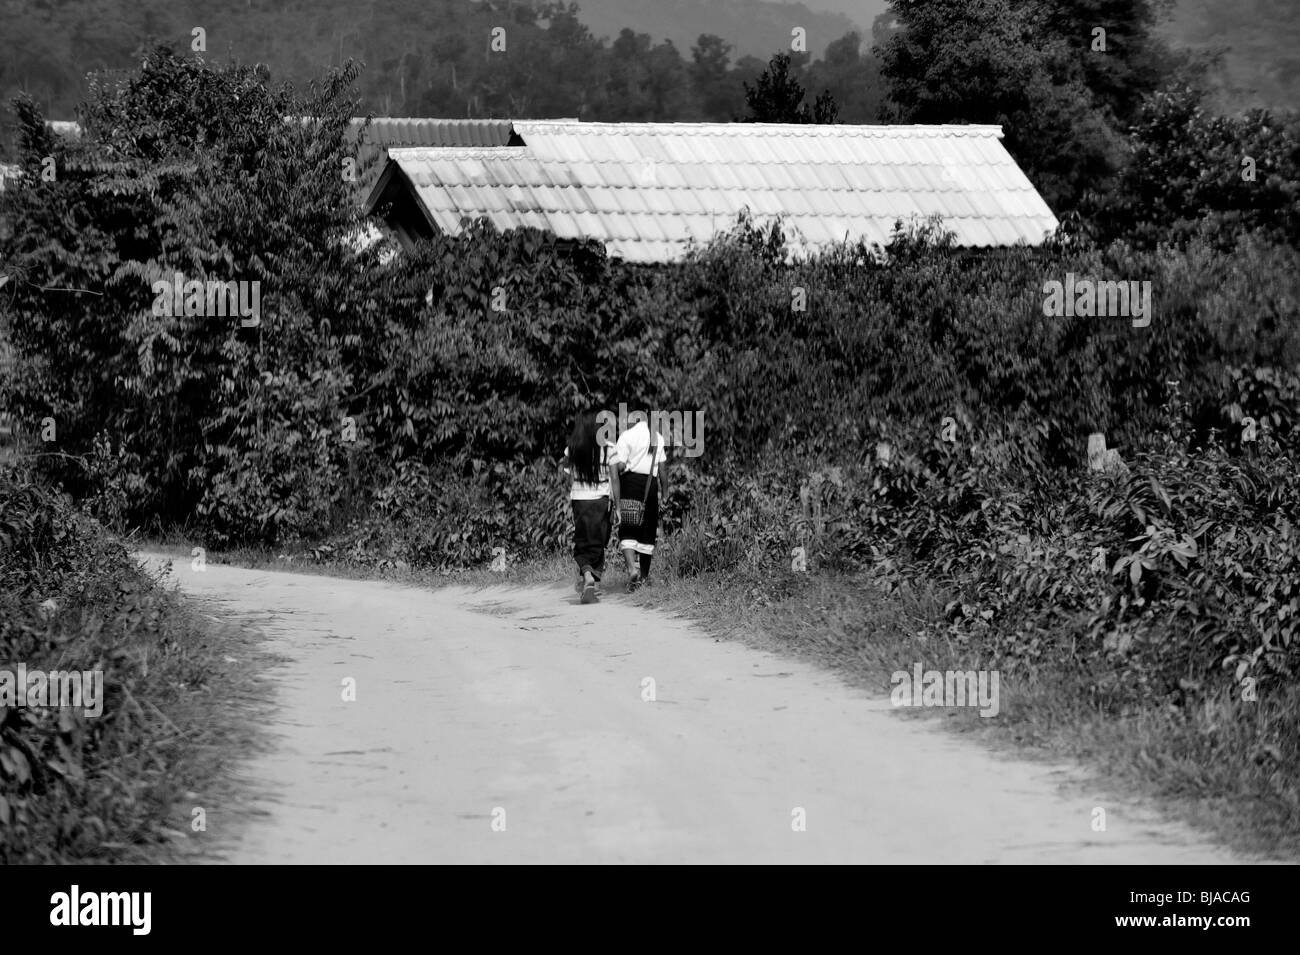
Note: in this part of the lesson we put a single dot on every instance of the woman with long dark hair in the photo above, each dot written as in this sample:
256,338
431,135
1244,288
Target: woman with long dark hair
587,461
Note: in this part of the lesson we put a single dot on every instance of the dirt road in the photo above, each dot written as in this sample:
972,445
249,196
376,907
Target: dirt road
514,725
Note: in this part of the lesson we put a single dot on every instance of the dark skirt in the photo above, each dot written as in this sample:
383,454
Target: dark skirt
591,520
632,487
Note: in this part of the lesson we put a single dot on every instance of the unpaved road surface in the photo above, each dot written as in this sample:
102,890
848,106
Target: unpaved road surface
510,725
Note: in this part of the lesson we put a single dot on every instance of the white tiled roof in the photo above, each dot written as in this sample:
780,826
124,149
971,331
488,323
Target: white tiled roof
647,189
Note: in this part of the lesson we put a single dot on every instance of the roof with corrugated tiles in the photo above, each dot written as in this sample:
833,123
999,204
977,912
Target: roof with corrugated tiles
648,190
386,132
406,131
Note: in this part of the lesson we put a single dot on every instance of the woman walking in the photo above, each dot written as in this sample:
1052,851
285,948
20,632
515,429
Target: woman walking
587,460
641,466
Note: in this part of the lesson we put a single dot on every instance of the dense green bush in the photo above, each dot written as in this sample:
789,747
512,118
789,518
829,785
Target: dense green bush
1190,173
487,343
442,518
192,171
820,347
74,786
1177,574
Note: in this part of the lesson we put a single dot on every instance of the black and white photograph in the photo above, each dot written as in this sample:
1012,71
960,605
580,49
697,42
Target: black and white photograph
650,432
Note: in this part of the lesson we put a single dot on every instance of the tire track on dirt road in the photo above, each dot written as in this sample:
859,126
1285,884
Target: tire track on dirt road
519,699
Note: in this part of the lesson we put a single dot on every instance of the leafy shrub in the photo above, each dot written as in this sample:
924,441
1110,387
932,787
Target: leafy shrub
448,518
1189,174
76,788
188,170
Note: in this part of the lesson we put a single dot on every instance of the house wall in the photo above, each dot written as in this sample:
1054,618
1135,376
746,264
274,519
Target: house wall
405,219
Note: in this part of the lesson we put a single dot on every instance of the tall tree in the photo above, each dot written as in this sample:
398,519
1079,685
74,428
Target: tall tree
987,61
853,80
778,97
667,83
1116,44
711,83
627,90
188,170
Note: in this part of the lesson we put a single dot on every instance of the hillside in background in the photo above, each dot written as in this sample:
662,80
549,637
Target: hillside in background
422,57
433,57
753,27
1260,41
861,12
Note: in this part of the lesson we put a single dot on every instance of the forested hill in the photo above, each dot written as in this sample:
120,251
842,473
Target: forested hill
434,58
424,57
752,27
1260,41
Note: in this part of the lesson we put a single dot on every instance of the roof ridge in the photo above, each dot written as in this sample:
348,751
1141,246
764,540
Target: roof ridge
432,119
816,128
